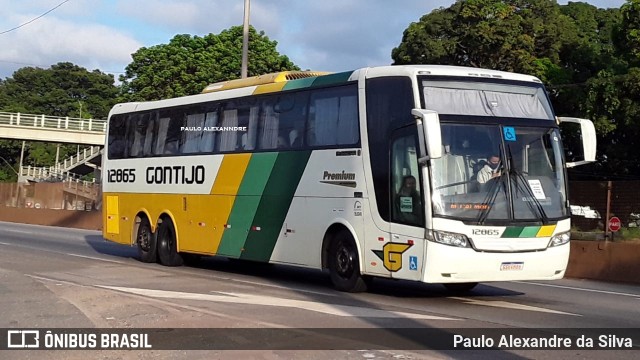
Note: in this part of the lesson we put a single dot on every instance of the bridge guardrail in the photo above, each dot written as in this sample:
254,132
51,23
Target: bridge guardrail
51,173
53,122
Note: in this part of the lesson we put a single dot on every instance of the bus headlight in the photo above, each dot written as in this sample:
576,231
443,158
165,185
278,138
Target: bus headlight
451,239
560,239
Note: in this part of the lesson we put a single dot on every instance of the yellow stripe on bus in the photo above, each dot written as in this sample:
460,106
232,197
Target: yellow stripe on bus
225,189
546,231
269,88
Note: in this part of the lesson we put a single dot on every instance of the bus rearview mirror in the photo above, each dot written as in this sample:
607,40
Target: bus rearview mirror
587,137
429,133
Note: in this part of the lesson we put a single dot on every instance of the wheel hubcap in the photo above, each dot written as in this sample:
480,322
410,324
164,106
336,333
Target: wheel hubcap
344,261
143,239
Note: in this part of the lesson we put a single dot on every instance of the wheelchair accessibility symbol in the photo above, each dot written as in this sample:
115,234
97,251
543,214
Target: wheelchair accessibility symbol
413,263
509,133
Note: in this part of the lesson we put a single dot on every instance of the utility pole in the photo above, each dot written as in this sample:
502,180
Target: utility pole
245,40
21,159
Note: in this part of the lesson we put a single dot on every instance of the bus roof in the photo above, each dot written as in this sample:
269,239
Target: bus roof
262,80
446,70
289,80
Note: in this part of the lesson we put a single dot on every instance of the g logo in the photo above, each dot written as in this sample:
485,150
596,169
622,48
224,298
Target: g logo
391,255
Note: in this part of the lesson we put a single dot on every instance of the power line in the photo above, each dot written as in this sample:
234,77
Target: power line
34,19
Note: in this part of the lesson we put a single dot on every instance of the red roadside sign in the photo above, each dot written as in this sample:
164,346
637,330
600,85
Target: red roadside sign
614,224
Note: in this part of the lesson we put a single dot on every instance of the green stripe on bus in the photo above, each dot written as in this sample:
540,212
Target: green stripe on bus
275,204
299,83
530,231
246,203
332,79
512,232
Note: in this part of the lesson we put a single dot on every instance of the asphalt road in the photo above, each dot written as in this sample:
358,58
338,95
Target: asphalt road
68,278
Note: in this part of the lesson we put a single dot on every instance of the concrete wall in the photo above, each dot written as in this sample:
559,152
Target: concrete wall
605,260
599,260
90,220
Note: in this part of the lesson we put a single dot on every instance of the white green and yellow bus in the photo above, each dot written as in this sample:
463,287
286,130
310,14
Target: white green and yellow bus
368,173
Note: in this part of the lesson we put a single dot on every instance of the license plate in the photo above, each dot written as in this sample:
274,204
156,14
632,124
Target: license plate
511,266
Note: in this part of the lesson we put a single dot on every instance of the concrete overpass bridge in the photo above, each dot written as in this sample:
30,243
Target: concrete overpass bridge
61,130
67,130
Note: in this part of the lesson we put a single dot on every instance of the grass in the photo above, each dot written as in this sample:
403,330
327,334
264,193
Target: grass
624,234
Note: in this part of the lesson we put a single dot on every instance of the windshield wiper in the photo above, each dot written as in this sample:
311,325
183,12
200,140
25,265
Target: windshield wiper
523,186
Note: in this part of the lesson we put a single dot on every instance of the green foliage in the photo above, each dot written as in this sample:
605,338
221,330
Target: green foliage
62,90
187,64
627,234
504,35
589,58
629,38
59,91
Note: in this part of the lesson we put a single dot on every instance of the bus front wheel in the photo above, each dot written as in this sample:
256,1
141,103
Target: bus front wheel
147,250
167,245
344,265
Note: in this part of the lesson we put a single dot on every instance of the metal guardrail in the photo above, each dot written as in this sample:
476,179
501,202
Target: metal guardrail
51,173
86,154
53,122
81,187
61,171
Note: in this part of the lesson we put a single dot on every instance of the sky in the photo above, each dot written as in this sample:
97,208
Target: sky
327,35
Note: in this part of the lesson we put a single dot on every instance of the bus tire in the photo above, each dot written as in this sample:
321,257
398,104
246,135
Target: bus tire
146,241
344,264
460,287
167,244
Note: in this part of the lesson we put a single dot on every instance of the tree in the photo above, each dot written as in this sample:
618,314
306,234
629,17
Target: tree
586,56
629,36
64,89
504,35
187,64
59,91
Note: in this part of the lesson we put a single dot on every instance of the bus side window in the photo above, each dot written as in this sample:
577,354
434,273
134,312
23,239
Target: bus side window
117,133
250,135
137,129
149,136
161,134
333,117
192,134
405,186
174,134
229,139
269,125
208,142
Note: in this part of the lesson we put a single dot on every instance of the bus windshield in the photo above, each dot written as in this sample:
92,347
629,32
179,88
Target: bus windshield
492,172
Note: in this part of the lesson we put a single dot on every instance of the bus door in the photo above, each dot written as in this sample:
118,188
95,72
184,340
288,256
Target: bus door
404,253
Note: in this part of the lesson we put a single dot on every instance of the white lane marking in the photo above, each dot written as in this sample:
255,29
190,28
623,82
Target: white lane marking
508,305
275,286
236,298
95,258
62,253
18,231
579,289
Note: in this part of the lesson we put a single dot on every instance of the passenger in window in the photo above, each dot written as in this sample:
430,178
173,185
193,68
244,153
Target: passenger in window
294,139
282,142
408,204
171,147
489,171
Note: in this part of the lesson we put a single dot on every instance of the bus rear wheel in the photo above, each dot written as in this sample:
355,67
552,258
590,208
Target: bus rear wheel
147,250
344,265
460,287
167,245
